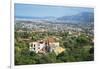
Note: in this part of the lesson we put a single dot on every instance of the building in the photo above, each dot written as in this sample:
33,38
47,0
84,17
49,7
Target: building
58,50
37,46
46,45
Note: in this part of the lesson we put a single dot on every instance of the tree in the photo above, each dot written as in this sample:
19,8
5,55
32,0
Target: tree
82,40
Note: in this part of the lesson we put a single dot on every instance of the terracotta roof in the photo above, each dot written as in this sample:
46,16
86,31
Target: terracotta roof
51,39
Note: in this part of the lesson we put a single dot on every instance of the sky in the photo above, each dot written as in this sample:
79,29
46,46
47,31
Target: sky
32,10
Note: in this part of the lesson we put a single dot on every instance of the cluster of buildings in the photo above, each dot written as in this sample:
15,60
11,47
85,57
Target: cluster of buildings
46,45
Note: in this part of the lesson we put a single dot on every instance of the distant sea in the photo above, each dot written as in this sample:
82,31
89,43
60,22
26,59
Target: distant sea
23,17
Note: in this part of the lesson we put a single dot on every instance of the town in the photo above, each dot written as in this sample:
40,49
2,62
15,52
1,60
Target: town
58,41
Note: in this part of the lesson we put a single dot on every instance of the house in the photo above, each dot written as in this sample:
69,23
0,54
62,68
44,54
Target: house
33,46
37,46
53,45
46,45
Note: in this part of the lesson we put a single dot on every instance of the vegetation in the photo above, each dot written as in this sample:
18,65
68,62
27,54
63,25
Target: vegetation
77,48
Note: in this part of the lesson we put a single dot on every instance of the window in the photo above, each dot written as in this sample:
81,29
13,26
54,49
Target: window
34,45
34,48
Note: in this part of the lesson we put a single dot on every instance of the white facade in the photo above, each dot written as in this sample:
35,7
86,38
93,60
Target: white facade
53,46
36,47
33,46
39,47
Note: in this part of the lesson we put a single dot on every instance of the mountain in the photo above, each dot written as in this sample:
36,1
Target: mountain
81,17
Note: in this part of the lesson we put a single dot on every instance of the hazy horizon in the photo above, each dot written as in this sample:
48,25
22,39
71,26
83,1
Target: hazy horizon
31,10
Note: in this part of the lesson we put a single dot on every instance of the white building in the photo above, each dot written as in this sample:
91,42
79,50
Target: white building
42,46
53,45
36,46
